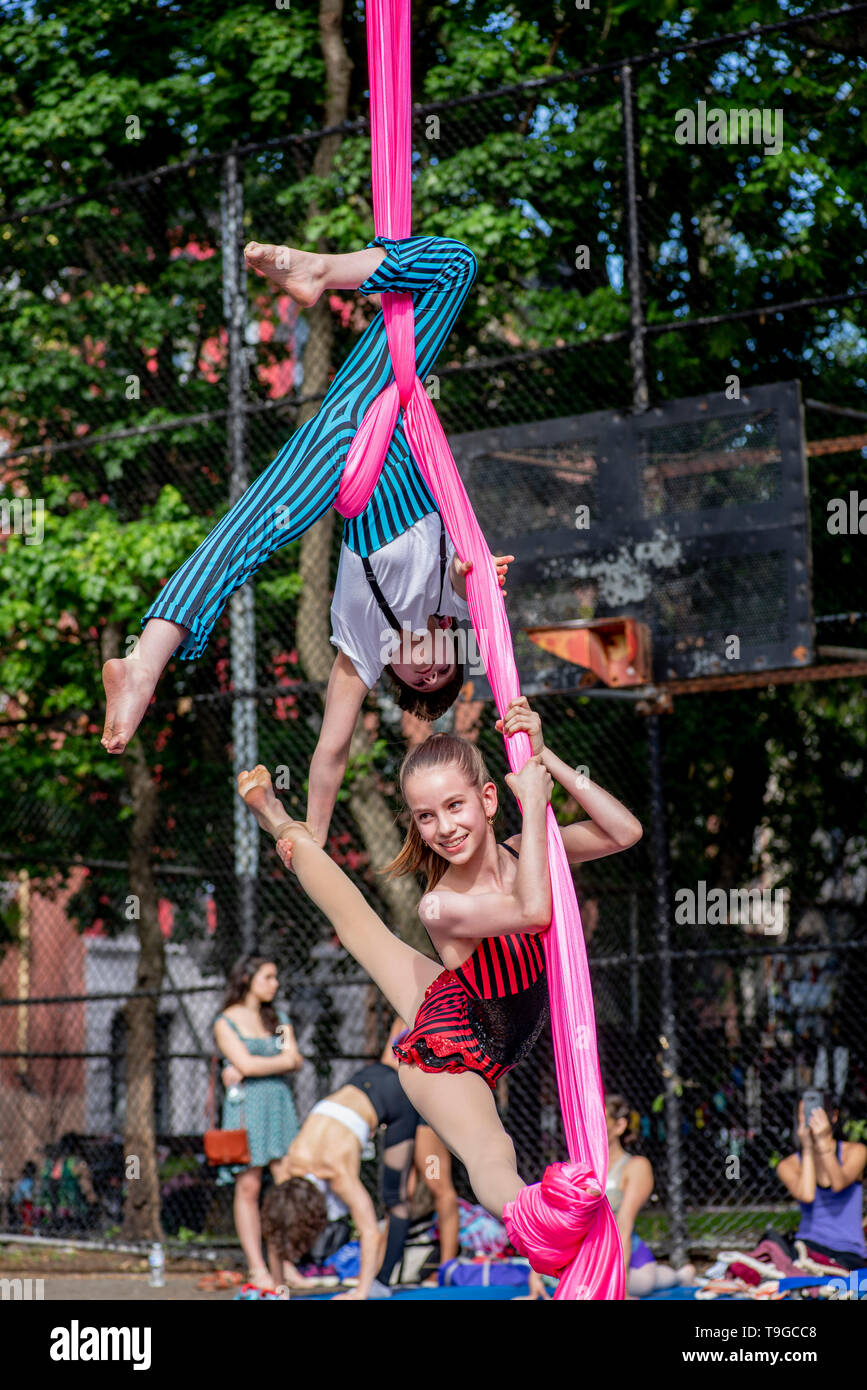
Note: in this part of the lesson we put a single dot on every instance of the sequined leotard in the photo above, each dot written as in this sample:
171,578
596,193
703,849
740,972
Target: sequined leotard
486,1015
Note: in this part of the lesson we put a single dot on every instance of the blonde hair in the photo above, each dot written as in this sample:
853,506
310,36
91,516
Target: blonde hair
440,750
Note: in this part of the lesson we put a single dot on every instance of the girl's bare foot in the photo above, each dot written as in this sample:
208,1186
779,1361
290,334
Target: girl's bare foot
256,791
129,686
302,274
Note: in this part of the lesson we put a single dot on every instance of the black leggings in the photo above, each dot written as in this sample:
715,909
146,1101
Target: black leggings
846,1259
383,1089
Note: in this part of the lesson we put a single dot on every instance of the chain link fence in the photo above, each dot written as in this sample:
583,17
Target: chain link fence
627,256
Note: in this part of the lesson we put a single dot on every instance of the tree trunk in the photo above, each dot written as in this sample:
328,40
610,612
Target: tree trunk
368,806
141,1214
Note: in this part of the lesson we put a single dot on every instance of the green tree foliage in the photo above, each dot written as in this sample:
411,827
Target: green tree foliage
114,321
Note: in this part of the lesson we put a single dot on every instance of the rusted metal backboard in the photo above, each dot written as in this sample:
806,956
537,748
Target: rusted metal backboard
690,517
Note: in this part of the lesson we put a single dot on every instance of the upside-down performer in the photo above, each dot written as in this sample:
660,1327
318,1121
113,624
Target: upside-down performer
400,589
485,909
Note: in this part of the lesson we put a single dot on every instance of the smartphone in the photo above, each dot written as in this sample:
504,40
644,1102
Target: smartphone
812,1101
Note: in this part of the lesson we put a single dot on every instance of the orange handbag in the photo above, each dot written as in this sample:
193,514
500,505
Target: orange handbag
228,1146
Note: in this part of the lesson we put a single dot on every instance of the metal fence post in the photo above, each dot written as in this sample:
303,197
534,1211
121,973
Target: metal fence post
640,395
241,609
659,836
634,967
668,1020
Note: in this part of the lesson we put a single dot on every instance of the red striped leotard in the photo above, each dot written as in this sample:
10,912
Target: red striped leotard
486,1015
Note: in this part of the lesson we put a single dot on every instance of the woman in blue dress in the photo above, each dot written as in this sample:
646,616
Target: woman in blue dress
258,1040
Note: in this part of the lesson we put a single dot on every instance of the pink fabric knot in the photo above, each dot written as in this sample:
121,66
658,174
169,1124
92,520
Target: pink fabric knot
548,1220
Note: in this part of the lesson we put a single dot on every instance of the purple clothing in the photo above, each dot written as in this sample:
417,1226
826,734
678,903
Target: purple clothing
641,1254
834,1218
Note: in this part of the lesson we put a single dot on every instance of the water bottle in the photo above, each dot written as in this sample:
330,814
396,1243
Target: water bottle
157,1266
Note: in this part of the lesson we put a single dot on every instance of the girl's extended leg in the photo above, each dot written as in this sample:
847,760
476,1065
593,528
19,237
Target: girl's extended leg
460,1107
402,973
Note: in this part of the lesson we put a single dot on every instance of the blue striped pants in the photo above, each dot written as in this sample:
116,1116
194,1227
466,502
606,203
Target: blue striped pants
302,482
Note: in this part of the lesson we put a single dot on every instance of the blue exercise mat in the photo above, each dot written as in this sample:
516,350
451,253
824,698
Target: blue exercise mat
679,1293
462,1294
856,1278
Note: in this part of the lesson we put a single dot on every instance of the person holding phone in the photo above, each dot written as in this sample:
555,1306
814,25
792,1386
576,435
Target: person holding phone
825,1180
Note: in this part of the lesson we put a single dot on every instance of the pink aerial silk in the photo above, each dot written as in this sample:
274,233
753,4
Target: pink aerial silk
564,1224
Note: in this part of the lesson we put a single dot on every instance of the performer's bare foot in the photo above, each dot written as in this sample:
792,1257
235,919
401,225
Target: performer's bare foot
256,791
129,685
302,274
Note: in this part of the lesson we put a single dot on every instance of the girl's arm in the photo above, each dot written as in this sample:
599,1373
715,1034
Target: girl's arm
289,1046
610,827
842,1175
346,692
637,1187
528,906
350,1189
799,1176
853,1165
232,1048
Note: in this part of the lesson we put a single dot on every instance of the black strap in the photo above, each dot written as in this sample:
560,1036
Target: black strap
379,595
438,613
512,851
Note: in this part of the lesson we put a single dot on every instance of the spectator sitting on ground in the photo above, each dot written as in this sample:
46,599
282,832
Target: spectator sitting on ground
24,1189
66,1190
629,1185
23,1194
825,1180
